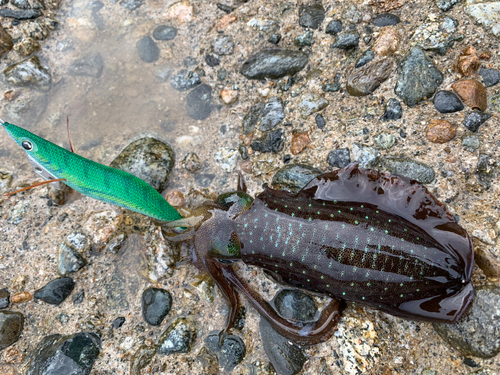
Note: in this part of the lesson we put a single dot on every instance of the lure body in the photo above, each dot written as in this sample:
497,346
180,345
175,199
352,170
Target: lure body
93,179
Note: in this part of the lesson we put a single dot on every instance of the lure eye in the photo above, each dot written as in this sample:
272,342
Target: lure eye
27,145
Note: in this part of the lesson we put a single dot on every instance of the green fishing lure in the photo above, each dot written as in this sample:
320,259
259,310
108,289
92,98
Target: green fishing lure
90,178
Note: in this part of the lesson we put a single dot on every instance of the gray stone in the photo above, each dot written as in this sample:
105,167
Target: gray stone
178,337
495,103
55,291
265,116
72,355
490,76
185,80
11,327
267,25
294,177
4,298
29,14
409,168
156,304
446,5
310,103
29,72
69,260
471,141
385,19
21,4
385,141
147,49
230,354
346,40
223,44
475,119
131,4
305,39
418,78
365,80
199,102
365,58
311,16
90,65
365,156
334,27
339,158
164,32
149,159
272,141
436,34
447,102
393,110
486,14
333,87
274,63
295,305
478,332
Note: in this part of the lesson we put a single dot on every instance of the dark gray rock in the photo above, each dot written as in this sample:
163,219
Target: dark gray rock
223,44
274,63
204,179
305,39
409,168
78,297
320,121
365,58
265,116
164,32
274,38
21,4
11,327
346,40
185,80
149,159
293,304
131,4
365,80
311,16
475,119
294,177
29,72
339,158
221,74
286,357
271,142
118,322
29,14
72,355
447,102
310,103
230,354
490,76
199,102
418,78
225,8
147,49
56,291
69,260
393,110
156,304
4,298
446,5
212,60
178,337
385,19
437,34
334,27
90,65
478,331
333,87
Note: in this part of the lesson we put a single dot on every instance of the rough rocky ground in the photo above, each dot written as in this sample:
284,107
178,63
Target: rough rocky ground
126,93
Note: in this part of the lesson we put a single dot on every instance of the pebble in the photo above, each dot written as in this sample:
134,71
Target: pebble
475,119
156,304
385,141
11,327
69,260
274,38
486,14
267,25
409,168
118,322
56,291
178,337
204,179
274,63
73,354
21,297
164,32
199,102
352,15
311,16
333,87
490,76
5,41
385,19
305,39
191,162
90,65
339,158
226,158
286,357
212,60
365,80
365,156
478,331
29,72
440,131
223,44
310,103
29,14
293,177
495,103
131,4
147,49
447,102
181,11
320,121
141,358
472,93
437,34
468,61
446,5
365,58
230,354
295,305
225,8
229,96
299,143
273,141
4,298
149,159
387,42
346,40
393,110
21,4
265,116
418,78
334,27
185,80
471,142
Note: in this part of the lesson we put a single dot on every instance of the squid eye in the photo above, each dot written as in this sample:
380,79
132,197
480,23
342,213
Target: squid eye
27,145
